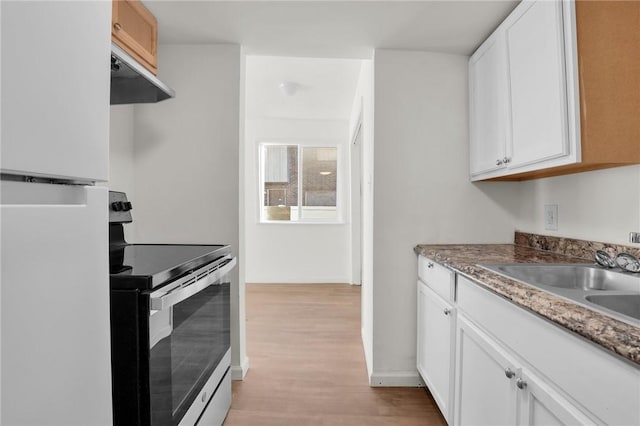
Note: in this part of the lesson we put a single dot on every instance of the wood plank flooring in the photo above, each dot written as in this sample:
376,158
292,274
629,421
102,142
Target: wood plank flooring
307,364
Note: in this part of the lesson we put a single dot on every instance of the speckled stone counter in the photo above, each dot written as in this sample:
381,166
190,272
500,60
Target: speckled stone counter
616,336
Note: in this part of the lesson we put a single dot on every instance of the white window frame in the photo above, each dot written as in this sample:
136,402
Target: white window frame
339,219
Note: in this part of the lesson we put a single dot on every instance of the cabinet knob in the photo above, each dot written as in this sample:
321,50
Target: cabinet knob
447,311
509,373
429,265
117,26
521,384
498,162
506,160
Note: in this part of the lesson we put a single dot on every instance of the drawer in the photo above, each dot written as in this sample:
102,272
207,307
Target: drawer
603,384
437,277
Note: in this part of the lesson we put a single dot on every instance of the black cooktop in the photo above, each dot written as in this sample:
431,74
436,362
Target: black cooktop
147,266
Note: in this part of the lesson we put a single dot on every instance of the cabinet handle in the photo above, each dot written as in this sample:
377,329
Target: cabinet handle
429,265
521,384
117,26
506,160
498,162
447,311
509,373
204,397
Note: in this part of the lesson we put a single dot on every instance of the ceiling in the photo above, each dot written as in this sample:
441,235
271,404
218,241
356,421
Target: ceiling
284,39
325,87
342,29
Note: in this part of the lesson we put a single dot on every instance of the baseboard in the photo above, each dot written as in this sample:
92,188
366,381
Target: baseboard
239,371
312,282
405,379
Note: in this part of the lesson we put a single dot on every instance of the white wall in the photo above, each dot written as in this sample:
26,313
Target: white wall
602,205
238,337
186,157
121,161
287,252
364,103
422,193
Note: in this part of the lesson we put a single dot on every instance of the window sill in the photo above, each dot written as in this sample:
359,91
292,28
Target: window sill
299,222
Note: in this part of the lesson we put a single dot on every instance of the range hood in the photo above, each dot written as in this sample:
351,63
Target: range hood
131,83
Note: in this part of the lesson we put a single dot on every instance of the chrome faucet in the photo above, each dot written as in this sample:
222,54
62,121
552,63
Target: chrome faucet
628,262
625,261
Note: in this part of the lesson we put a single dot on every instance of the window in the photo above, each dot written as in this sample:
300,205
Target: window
299,183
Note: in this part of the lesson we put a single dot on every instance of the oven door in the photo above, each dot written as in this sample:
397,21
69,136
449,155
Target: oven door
188,338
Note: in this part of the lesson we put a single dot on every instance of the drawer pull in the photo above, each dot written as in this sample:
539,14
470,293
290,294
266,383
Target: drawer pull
521,384
117,26
430,265
509,373
447,311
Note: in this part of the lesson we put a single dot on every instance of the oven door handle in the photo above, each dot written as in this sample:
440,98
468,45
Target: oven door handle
162,299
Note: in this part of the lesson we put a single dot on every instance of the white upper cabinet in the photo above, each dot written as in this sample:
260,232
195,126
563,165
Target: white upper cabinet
522,95
488,124
55,89
538,98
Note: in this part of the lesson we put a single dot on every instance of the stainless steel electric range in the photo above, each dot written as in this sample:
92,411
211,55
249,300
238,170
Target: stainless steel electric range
170,328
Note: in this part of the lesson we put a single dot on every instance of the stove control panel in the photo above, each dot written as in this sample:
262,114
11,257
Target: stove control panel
119,208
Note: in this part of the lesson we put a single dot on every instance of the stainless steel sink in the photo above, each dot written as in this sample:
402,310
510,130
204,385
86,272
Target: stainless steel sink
626,304
612,292
585,277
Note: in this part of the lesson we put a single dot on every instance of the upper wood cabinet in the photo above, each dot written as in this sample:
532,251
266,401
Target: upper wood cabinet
135,30
556,90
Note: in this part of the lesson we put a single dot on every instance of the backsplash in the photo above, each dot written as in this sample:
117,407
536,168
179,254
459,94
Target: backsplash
570,246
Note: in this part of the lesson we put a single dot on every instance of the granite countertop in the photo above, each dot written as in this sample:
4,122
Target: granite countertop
616,336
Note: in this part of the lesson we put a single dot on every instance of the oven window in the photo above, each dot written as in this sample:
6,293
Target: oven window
187,342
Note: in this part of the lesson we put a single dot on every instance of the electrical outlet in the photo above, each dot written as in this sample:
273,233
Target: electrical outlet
551,217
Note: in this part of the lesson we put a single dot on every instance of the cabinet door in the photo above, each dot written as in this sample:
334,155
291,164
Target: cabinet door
537,83
485,379
55,89
135,29
488,118
540,405
436,321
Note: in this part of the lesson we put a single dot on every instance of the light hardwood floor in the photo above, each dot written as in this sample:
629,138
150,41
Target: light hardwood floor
307,364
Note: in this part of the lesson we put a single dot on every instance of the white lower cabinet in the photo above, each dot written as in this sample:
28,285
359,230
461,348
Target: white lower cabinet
487,361
493,389
436,331
540,405
484,392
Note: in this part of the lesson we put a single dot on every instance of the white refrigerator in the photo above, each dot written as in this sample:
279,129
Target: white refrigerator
54,288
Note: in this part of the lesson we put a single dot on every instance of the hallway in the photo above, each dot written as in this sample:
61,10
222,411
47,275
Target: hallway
307,364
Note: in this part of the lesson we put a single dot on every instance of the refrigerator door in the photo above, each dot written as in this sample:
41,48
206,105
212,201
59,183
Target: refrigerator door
56,367
55,88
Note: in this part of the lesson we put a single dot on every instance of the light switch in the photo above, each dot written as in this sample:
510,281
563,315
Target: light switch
551,217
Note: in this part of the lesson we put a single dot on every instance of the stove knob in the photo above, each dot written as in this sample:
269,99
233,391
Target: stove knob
126,206
117,206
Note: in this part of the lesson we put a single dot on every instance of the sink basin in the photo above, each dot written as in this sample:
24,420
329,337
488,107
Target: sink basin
612,292
583,277
626,304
